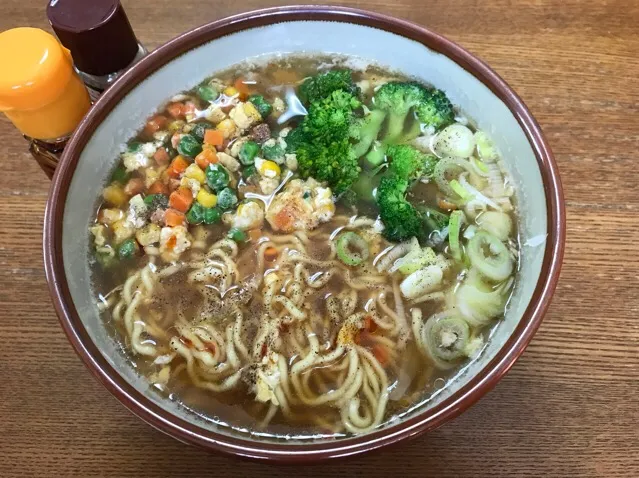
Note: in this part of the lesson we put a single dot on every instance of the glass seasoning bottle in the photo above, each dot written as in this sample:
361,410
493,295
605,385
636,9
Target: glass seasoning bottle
40,92
100,38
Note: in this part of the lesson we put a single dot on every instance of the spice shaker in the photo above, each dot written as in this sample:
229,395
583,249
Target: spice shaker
40,92
100,38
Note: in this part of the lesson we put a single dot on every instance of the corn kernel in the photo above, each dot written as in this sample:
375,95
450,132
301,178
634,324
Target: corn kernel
193,171
227,127
266,168
115,195
231,91
206,199
251,111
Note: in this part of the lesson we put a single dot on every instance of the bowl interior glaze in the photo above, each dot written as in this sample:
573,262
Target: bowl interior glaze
122,111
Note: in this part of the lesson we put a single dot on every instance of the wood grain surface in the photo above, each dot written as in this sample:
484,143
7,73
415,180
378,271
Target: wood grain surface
569,407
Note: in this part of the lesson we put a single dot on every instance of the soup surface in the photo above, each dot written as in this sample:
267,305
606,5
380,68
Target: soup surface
302,249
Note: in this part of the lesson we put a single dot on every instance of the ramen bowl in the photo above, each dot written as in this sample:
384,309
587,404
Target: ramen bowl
183,63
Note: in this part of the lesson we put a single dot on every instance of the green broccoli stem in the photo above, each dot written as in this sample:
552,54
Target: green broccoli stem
376,156
395,127
370,129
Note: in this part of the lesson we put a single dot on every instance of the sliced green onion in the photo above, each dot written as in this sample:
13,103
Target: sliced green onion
497,223
479,166
455,140
446,338
444,169
490,256
414,260
477,305
352,249
454,228
485,147
460,190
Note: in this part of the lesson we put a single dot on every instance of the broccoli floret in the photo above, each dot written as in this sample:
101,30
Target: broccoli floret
436,110
410,163
332,162
318,87
397,98
293,140
431,107
273,150
323,146
365,131
401,220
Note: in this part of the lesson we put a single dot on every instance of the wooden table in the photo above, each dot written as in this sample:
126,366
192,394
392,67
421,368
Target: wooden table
569,407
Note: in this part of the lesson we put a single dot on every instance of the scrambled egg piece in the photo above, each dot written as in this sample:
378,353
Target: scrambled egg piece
267,380
98,232
249,215
245,115
303,205
173,242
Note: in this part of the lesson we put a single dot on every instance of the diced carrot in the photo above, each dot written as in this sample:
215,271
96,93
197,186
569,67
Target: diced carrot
177,166
181,199
242,88
158,187
134,186
270,254
369,324
174,218
381,354
443,204
214,137
162,157
176,109
155,124
206,157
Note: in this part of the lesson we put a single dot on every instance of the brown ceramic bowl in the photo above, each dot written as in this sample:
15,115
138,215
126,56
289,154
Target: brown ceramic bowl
184,62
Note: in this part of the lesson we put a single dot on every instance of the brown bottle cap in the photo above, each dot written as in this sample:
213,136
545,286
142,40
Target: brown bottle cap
97,32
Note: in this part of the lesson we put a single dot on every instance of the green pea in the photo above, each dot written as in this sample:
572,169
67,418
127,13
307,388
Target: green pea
226,199
200,128
249,171
217,177
195,214
261,105
212,215
120,175
155,201
127,249
207,93
238,235
134,147
189,146
248,151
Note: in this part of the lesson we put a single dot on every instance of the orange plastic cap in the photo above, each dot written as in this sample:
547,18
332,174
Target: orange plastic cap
36,69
